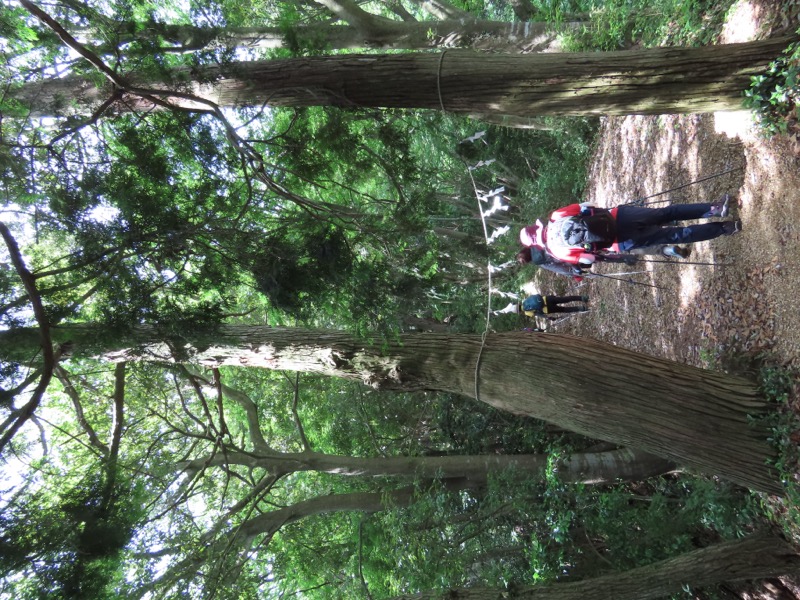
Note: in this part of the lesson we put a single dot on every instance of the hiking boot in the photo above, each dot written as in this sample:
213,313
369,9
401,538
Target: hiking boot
731,227
676,251
721,209
584,299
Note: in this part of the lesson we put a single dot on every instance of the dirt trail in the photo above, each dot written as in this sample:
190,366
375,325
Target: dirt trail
749,304
752,304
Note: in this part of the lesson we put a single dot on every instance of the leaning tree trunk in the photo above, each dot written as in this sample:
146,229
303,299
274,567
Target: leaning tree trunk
590,468
375,34
648,81
697,418
750,558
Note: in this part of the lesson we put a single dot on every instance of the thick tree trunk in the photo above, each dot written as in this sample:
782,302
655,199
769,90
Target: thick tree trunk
696,418
649,81
592,468
750,558
377,34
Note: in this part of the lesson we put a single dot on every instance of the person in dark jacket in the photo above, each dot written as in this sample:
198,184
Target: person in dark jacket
534,255
538,305
634,227
539,257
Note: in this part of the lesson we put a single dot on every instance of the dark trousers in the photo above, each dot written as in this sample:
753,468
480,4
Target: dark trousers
639,226
553,304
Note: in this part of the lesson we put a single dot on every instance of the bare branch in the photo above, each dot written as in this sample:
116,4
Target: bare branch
48,355
398,9
223,427
440,9
42,434
119,413
70,41
90,121
193,381
303,439
251,411
7,396
63,377
350,11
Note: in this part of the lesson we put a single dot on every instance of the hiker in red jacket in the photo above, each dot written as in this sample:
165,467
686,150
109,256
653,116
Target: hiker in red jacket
580,234
539,257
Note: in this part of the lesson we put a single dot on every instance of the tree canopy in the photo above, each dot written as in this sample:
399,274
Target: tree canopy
145,219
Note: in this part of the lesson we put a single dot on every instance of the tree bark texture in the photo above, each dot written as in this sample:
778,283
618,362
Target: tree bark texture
587,468
377,34
645,81
696,418
750,558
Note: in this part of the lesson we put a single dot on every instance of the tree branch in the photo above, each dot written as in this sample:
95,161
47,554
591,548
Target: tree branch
398,9
350,11
63,377
440,9
260,445
7,396
48,355
119,413
303,439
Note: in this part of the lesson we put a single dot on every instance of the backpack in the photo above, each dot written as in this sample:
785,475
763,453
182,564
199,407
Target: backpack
534,305
539,256
591,232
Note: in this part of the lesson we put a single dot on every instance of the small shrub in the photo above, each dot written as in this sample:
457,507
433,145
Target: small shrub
773,95
779,385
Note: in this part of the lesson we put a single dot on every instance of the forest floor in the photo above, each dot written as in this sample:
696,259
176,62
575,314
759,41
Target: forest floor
750,302
747,305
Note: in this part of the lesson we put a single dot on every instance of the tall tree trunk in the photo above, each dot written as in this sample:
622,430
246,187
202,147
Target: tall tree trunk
649,81
588,468
372,33
693,417
750,558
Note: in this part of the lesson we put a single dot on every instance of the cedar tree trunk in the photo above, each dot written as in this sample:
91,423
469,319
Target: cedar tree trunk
696,418
749,558
372,33
591,468
645,81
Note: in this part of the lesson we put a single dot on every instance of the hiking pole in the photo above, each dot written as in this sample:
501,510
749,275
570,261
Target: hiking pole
624,273
685,262
641,201
629,280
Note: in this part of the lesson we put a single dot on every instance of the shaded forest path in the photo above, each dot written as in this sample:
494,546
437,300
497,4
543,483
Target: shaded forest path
752,304
702,314
749,305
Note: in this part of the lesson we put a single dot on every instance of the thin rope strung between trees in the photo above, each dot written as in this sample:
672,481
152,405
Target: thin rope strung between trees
489,277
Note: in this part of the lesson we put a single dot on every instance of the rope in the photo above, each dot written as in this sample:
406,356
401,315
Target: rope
485,238
441,102
489,276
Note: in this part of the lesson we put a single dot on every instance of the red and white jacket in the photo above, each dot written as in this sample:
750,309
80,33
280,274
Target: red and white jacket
571,254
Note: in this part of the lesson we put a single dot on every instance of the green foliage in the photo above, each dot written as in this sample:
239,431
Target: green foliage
560,164
69,544
665,518
475,428
779,385
156,219
773,95
619,24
